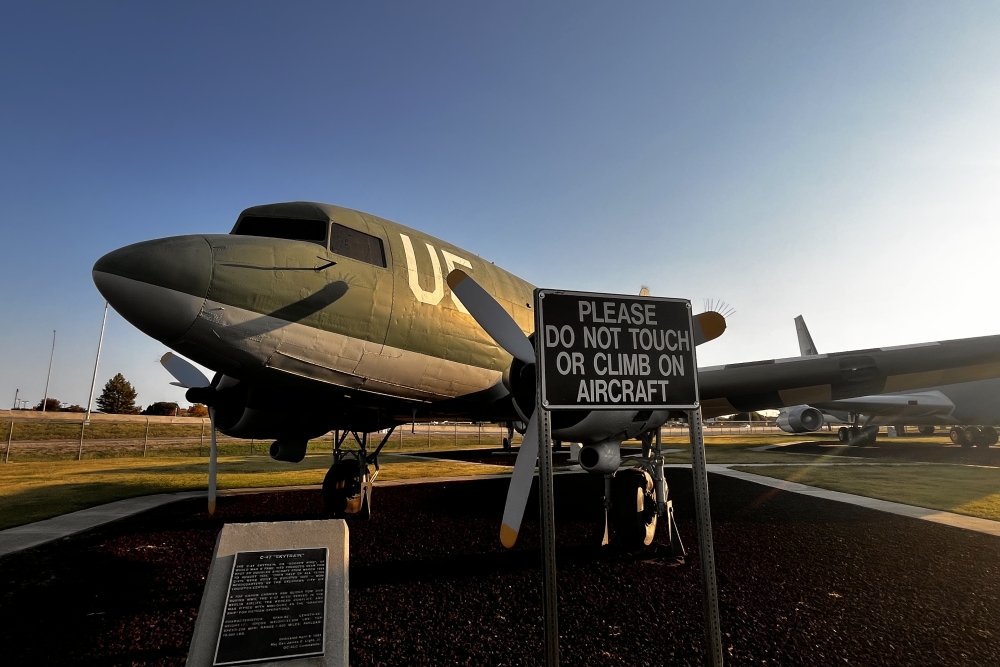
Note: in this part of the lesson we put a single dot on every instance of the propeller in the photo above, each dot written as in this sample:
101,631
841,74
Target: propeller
189,377
502,328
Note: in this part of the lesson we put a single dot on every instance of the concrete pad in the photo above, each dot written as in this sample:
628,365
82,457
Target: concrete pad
236,537
937,516
40,532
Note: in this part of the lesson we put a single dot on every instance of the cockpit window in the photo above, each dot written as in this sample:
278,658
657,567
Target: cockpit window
356,245
294,229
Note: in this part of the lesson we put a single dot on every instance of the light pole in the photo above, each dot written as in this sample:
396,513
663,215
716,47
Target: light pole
45,399
16,392
100,342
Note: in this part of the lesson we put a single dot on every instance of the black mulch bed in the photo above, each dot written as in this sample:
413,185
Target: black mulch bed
900,451
803,582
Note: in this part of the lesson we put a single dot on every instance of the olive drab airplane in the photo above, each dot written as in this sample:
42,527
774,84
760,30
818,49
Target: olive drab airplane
317,318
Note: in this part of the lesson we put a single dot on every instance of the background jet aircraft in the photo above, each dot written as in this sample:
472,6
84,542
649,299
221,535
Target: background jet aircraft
961,404
319,318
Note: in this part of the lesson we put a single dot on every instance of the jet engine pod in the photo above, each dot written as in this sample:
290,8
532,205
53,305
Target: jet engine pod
604,458
288,449
800,419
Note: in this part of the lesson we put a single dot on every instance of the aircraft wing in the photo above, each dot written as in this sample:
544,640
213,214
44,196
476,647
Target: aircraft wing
921,404
825,378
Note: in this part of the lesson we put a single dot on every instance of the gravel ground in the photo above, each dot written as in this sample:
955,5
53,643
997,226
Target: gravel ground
802,581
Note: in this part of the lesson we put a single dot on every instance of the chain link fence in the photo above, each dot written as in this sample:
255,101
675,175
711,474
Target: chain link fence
31,436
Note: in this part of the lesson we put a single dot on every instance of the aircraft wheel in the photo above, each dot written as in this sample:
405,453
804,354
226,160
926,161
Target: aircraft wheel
633,509
844,435
506,444
900,430
869,435
973,436
957,436
990,435
926,430
342,492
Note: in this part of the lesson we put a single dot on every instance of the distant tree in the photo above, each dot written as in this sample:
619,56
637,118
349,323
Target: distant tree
51,405
73,408
118,397
197,410
161,409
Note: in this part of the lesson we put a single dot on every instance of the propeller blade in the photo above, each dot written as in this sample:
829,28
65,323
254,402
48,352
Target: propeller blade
186,373
708,326
520,484
213,464
491,316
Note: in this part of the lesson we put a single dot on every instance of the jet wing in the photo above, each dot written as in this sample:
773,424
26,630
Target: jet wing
824,378
912,405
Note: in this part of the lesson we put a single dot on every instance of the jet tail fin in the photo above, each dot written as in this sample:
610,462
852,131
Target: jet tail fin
806,346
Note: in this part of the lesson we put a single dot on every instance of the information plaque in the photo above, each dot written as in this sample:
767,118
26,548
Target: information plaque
615,352
275,607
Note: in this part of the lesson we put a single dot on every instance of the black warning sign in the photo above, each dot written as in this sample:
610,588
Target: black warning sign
615,352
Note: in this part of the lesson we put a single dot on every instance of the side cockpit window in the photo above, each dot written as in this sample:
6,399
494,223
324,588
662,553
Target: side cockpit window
293,229
356,245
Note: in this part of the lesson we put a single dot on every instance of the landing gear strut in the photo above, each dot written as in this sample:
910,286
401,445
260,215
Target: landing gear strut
638,498
507,442
347,487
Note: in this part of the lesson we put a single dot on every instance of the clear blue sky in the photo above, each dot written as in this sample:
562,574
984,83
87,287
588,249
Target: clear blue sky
838,160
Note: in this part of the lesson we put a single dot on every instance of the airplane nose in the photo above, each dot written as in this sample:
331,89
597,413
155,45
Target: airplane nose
159,286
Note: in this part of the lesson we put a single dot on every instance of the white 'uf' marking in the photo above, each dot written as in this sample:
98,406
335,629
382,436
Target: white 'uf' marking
433,297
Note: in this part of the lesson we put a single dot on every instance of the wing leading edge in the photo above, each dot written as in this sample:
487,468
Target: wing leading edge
777,383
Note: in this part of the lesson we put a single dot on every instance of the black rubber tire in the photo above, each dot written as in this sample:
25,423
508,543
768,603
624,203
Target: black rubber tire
900,430
869,434
990,435
926,430
957,435
844,435
506,444
340,485
633,509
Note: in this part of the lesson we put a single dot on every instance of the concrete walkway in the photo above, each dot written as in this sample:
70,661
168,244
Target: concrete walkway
40,532
937,516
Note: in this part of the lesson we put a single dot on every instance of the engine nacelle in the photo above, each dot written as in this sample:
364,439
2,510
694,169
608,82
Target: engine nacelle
288,449
604,458
800,419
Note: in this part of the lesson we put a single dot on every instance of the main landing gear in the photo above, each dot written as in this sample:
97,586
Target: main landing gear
973,436
508,441
347,487
636,498
858,437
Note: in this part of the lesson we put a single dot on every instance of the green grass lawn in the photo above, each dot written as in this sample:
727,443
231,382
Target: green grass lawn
33,491
970,490
34,488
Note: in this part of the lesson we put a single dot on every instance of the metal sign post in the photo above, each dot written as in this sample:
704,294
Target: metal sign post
546,510
703,521
617,352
